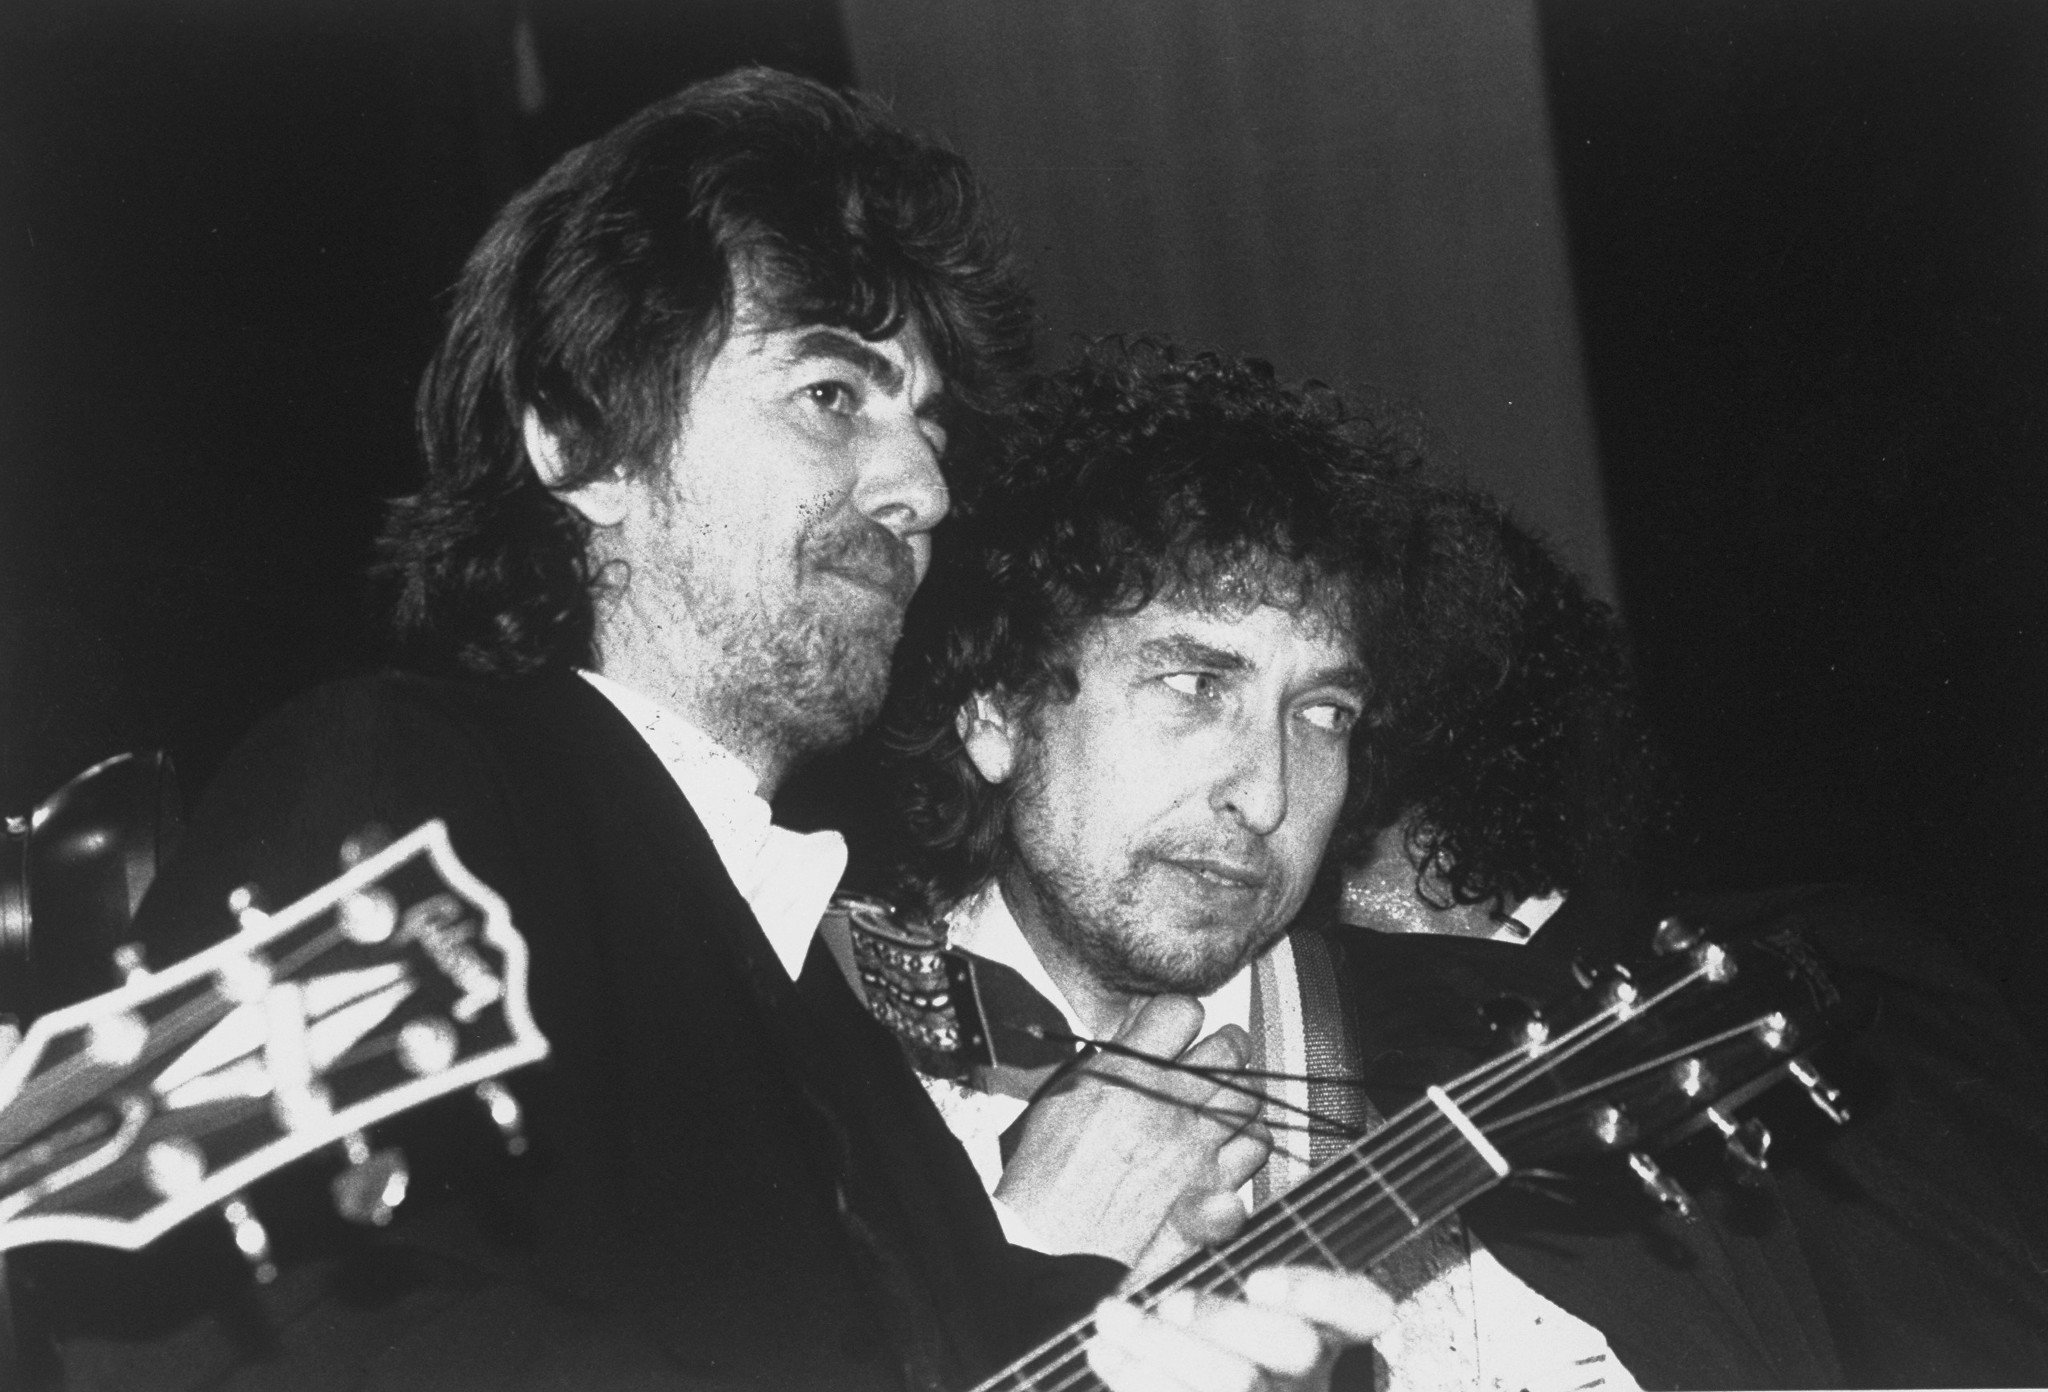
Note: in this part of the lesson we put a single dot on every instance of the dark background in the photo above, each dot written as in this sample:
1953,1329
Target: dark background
1810,248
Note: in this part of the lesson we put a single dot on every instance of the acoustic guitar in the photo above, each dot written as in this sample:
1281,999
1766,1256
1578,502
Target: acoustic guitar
1641,1059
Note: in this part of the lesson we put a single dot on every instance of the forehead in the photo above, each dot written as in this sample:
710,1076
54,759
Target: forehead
773,338
1307,640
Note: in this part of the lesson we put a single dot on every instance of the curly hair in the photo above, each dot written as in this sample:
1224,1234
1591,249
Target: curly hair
1517,759
601,289
1136,472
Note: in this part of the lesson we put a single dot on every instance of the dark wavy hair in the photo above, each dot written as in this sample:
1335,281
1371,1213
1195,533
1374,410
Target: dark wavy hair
1518,760
1136,472
601,288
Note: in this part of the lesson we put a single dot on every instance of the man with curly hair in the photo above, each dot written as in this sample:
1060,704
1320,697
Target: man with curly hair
1113,724
684,439
1131,718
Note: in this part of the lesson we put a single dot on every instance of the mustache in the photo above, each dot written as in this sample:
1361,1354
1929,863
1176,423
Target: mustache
1247,856
870,553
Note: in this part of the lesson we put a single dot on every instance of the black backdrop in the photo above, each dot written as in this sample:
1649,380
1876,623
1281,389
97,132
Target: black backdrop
1807,236
1810,242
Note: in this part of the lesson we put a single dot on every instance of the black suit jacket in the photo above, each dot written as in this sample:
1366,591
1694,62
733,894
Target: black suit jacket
734,1180
1908,1249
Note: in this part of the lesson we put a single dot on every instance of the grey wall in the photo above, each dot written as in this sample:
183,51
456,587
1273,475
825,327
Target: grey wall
1358,192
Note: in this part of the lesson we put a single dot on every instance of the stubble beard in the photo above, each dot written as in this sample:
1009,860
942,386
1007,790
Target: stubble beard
810,675
1123,944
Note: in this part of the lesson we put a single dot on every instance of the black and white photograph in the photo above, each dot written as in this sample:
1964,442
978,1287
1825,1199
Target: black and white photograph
1166,695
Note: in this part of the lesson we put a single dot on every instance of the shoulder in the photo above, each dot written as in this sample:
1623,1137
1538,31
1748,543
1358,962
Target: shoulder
384,753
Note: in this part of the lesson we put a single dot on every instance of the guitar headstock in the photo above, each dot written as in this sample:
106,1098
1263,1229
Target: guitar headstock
1658,1051
398,982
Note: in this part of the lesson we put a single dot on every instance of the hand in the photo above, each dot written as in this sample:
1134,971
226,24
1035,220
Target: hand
1136,1162
1286,1332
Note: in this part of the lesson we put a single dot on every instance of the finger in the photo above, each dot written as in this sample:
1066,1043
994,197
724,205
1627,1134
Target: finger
1273,1340
1163,1025
1228,1047
1240,1157
1224,1053
1136,1352
1206,1220
1116,1354
1347,1304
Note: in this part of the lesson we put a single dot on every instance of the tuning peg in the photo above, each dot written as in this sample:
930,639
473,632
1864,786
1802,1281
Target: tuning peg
364,844
1672,936
1823,1094
1713,962
1620,990
129,962
505,1113
1515,1020
1748,1144
250,1238
1611,1126
373,1184
1617,986
1660,1186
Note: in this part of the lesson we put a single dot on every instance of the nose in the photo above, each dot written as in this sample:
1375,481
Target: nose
1253,788
900,485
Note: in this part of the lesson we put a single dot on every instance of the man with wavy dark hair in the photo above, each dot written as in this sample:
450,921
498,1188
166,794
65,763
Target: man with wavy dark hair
684,441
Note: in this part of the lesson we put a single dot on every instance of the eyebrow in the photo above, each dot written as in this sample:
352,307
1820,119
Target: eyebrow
841,346
856,353
1176,648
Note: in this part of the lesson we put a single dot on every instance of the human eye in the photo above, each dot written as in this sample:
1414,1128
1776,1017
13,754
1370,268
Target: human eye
1331,717
1199,685
841,398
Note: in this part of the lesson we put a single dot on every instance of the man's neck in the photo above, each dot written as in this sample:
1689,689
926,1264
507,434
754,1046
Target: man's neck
1099,1008
670,684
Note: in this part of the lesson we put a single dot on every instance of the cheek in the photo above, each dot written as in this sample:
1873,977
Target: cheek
1314,799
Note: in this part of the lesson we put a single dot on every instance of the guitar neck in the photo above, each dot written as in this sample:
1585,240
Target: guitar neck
1356,1208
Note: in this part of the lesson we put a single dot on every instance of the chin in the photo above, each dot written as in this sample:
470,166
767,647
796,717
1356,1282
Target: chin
1152,972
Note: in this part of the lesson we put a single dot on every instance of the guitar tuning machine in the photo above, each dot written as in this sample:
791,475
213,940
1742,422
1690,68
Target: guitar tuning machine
374,1183
250,1238
1660,1186
128,961
249,915
1673,936
1748,1144
1611,1126
1617,985
1516,1021
1821,1092
505,1113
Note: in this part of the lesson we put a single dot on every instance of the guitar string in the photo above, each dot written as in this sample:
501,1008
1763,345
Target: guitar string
1471,1086
1514,1068
176,1027
1475,1092
1210,1271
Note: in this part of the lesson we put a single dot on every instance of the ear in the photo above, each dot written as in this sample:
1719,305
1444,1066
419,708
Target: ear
991,736
601,500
